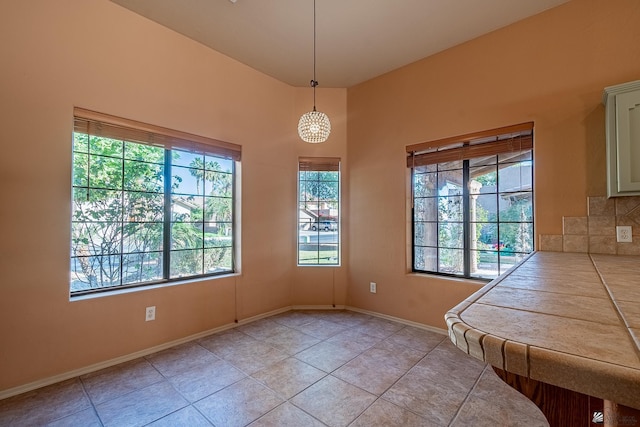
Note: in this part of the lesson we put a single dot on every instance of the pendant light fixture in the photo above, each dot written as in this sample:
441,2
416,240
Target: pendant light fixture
314,127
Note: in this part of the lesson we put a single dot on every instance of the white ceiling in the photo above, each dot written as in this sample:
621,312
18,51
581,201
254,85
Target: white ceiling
356,39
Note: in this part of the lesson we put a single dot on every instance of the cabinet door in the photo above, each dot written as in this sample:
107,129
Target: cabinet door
628,139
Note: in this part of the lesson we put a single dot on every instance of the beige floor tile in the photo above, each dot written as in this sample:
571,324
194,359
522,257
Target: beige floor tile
286,415
262,329
438,384
238,404
227,350
416,338
385,414
244,352
250,359
291,341
85,418
175,360
225,343
482,408
346,318
446,374
188,416
44,405
321,329
379,328
141,406
333,401
293,318
392,354
115,381
289,377
327,356
206,379
369,374
354,339
437,402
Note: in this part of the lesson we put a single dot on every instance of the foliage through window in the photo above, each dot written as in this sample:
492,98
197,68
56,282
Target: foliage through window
319,211
473,214
144,214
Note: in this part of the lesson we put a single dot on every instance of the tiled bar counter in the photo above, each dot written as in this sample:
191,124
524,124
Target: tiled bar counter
561,323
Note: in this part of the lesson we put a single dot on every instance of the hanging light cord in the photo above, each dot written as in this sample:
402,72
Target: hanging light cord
314,82
314,126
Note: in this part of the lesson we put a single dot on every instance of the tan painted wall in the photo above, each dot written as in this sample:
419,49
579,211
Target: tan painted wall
550,69
97,55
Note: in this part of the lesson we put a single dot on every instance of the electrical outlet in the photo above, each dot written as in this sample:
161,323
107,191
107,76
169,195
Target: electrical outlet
150,313
372,287
623,233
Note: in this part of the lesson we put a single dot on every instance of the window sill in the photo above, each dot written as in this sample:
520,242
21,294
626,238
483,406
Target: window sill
115,292
479,282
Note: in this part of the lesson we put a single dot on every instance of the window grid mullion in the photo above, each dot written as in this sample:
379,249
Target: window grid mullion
437,218
498,212
122,215
204,209
413,219
166,234
466,220
318,230
233,217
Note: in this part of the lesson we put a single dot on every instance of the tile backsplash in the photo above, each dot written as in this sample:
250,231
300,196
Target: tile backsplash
596,232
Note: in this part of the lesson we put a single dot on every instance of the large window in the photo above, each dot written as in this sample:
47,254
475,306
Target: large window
473,202
149,204
319,211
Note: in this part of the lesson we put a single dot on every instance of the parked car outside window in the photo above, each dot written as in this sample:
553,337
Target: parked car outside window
325,225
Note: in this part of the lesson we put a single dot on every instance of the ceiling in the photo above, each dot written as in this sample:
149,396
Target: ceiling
356,39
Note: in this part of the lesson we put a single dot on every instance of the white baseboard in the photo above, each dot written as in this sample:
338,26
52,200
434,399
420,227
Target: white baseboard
264,315
399,320
318,307
121,359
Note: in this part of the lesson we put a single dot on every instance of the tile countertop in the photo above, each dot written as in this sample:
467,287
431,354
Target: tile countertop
566,319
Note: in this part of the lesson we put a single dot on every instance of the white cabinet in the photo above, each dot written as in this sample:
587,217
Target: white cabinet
622,105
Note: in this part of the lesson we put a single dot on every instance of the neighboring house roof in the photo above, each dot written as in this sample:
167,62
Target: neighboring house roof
185,204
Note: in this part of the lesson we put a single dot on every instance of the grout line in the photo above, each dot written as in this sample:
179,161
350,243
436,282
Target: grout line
92,405
466,399
619,312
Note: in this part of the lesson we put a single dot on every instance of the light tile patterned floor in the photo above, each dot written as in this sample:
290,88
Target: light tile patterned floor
300,368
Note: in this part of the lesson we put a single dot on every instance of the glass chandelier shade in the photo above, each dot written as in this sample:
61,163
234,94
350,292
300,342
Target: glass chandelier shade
314,127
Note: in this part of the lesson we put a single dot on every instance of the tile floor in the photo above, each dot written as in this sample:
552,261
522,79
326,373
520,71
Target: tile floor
300,368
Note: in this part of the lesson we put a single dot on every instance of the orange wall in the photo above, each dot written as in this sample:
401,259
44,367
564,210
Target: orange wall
97,55
550,69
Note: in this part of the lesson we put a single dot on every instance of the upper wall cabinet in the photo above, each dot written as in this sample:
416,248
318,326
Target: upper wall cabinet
622,104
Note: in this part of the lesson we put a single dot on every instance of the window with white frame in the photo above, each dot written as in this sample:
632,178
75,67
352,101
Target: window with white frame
149,204
472,202
319,211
